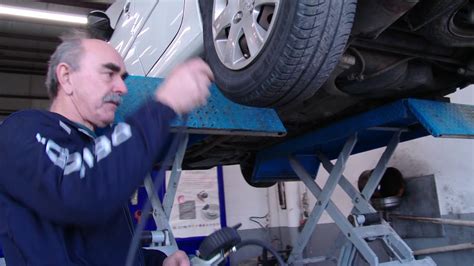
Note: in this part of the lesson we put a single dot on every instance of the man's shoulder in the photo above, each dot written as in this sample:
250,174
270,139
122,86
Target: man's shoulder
23,120
29,114
31,126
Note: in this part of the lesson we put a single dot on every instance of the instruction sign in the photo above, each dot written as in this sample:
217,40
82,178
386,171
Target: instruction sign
196,210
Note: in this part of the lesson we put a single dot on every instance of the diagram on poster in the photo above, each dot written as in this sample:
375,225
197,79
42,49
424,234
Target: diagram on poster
196,209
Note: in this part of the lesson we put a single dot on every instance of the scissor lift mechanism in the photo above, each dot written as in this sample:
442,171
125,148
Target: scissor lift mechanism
384,126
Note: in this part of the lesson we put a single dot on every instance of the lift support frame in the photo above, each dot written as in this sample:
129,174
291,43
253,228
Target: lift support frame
384,126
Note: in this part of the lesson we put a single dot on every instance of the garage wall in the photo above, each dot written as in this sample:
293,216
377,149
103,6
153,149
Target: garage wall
450,160
24,85
243,201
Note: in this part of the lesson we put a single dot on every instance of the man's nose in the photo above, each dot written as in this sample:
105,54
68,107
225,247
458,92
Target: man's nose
120,86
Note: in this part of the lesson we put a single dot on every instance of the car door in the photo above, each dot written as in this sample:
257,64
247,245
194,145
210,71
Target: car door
134,16
157,34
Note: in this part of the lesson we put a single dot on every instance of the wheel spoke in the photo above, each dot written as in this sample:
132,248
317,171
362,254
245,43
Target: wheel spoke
223,20
232,49
234,20
253,35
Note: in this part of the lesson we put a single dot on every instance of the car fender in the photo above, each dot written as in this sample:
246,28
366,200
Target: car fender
133,17
187,44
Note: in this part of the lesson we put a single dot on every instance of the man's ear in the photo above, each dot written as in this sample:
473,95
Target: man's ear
63,72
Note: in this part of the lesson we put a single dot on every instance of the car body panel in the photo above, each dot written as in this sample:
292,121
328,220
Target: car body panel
187,44
169,14
151,52
132,19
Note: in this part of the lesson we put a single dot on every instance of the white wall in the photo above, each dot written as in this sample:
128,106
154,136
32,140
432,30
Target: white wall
243,201
450,160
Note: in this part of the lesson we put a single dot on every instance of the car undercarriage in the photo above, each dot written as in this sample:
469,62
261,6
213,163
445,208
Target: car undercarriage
419,49
314,62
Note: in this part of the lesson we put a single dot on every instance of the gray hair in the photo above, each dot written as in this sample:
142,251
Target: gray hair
69,51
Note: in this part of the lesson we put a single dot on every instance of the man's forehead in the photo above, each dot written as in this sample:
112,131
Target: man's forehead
105,54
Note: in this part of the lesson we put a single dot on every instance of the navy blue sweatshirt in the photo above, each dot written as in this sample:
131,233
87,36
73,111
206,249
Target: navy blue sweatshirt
63,191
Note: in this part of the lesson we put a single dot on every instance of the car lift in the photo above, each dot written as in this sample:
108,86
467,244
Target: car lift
220,116
384,126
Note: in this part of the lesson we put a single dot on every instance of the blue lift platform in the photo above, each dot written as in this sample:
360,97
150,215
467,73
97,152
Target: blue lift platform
298,159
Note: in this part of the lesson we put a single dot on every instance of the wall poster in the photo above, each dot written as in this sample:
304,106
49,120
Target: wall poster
196,210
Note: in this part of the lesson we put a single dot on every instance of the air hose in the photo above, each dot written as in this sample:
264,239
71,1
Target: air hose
256,242
225,239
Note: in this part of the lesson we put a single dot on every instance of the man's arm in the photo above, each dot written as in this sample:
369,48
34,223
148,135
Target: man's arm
91,183
88,184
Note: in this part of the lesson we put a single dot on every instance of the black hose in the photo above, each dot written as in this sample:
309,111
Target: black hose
250,242
158,181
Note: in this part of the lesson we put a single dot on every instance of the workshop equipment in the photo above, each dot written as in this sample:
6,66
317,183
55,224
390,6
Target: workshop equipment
448,248
219,116
423,219
384,126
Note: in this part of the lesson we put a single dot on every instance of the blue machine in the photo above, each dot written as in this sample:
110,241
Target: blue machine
299,158
219,116
384,126
417,118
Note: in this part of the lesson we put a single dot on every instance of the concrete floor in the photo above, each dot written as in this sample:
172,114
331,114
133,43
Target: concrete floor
322,243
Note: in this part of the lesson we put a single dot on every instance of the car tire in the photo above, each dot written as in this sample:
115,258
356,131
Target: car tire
302,47
247,167
445,31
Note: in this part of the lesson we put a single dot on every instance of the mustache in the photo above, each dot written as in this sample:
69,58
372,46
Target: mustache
113,97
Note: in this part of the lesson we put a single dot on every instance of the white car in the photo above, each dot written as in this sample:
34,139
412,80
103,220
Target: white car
314,61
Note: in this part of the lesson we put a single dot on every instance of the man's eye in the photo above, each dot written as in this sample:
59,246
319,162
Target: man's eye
109,74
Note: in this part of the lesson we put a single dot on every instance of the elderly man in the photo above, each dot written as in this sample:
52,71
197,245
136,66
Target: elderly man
64,190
